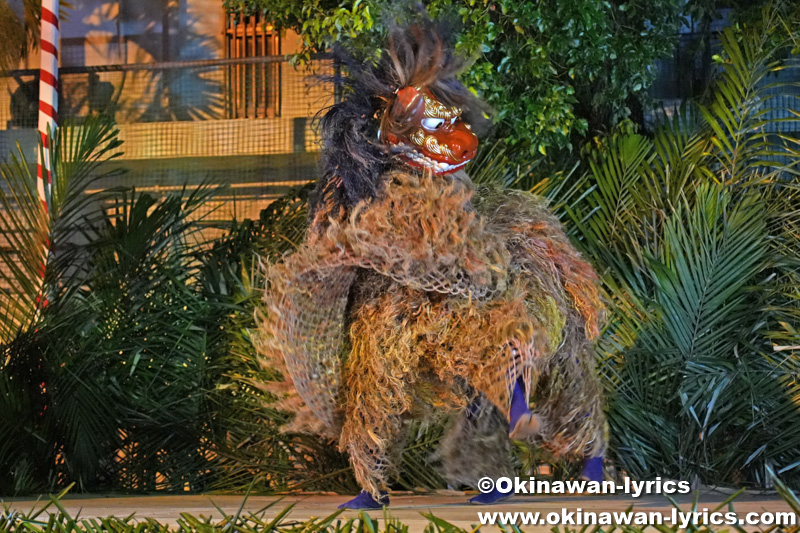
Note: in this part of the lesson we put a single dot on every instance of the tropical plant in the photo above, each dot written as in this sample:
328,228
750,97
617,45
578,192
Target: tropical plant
553,71
20,29
32,230
105,383
30,277
138,372
20,26
693,232
16,42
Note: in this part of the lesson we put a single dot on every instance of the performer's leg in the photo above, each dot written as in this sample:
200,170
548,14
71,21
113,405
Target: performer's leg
522,423
376,398
370,428
369,458
494,496
571,401
504,401
476,445
595,455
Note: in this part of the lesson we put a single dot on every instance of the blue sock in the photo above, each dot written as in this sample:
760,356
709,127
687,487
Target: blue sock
519,404
593,469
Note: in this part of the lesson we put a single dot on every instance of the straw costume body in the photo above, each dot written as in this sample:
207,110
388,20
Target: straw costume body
418,295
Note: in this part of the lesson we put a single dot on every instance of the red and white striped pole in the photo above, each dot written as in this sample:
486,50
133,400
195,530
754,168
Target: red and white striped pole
48,94
48,114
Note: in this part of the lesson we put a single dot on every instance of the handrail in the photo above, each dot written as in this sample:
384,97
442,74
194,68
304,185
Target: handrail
169,65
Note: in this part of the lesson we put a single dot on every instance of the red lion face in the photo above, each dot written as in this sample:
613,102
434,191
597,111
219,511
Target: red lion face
434,135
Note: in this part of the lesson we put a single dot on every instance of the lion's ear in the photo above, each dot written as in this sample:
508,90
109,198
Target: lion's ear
407,109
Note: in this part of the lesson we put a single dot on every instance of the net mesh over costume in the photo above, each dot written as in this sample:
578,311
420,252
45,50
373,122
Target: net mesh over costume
430,295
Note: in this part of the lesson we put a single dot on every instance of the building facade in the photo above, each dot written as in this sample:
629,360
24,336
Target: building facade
198,96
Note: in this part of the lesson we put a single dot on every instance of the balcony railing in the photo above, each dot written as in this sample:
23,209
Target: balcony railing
249,87
180,124
252,87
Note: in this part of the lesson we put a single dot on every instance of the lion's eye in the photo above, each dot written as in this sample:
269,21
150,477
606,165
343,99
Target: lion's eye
432,124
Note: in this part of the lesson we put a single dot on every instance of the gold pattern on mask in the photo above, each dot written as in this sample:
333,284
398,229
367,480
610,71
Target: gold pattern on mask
429,142
436,109
433,146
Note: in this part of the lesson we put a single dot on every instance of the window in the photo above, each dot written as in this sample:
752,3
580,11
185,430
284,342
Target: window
254,82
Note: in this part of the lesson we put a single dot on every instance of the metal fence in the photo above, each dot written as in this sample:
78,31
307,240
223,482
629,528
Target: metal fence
243,123
688,74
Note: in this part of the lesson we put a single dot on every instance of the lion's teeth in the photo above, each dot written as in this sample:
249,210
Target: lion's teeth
427,162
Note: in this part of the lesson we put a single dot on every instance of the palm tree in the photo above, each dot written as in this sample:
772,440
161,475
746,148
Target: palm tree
694,232
19,26
35,262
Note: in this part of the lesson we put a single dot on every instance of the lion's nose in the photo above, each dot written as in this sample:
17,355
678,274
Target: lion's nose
463,143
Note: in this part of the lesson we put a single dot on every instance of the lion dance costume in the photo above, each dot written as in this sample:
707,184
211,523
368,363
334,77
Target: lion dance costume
417,293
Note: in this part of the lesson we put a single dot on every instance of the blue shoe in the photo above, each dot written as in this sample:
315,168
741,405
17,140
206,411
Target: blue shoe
366,501
593,469
488,498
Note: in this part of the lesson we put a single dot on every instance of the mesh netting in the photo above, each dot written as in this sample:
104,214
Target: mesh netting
431,295
245,124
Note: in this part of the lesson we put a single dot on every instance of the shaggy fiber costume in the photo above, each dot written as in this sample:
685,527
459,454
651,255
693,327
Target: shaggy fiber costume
416,293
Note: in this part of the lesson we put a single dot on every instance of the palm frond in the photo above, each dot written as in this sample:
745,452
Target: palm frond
15,37
740,111
694,235
30,234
